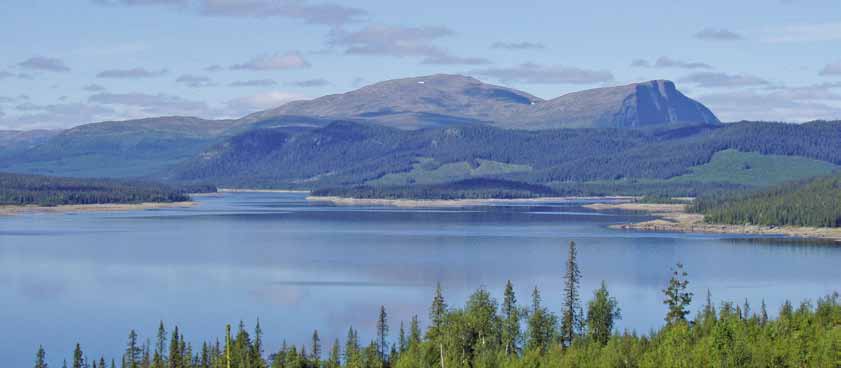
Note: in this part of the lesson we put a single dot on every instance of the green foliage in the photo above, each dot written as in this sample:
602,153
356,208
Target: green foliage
751,168
51,191
571,315
602,312
815,203
677,298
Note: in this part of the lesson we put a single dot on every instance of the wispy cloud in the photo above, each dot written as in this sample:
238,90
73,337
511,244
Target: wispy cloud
517,45
319,82
717,34
94,88
400,41
546,74
712,80
159,104
831,70
790,104
254,83
331,14
289,60
667,62
131,73
44,63
194,81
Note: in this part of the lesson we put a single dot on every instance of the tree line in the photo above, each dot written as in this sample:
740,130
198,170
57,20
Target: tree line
16,189
813,203
484,333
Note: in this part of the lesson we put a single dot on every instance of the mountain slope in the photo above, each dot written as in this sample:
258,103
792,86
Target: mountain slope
446,100
131,148
350,154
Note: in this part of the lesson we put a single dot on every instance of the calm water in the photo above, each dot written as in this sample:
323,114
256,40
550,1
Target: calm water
301,266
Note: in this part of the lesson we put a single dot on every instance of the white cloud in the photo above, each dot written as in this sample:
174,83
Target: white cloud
831,69
49,64
194,81
713,80
525,45
667,62
720,34
131,73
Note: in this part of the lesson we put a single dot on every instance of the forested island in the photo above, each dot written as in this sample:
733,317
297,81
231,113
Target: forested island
38,190
485,333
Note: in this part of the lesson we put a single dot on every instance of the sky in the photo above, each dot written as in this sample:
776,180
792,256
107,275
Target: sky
67,63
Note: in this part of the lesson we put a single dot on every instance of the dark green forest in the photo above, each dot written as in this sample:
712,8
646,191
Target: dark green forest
815,203
348,154
51,191
486,333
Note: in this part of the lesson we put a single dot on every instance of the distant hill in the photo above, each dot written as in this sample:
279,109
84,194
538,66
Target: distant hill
447,100
131,148
345,154
16,141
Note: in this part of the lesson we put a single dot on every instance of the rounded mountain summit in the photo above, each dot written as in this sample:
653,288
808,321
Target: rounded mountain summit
444,99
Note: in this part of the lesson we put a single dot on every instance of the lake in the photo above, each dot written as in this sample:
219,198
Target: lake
300,266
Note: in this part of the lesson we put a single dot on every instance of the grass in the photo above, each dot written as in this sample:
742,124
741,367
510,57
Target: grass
750,168
428,171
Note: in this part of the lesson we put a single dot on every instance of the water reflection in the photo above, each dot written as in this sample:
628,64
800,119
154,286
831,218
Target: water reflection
300,266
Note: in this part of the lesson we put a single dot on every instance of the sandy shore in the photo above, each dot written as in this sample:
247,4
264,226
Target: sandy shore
243,190
674,218
418,203
11,210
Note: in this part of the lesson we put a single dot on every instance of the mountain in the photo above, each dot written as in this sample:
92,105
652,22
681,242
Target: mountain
346,154
446,100
130,148
15,141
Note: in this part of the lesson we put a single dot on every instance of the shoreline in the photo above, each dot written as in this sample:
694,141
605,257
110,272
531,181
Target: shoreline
432,203
9,210
674,218
245,190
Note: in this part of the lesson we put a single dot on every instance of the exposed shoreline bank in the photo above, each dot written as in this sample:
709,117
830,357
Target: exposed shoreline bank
675,218
105,207
413,203
245,190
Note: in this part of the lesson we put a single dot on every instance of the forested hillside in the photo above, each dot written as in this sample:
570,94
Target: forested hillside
815,203
348,154
51,191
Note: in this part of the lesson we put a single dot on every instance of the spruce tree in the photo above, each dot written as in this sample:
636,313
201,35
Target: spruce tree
511,320
541,325
78,357
438,311
40,358
414,332
382,333
334,361
677,296
401,340
571,312
133,351
602,312
351,346
257,349
763,314
174,358
158,361
316,348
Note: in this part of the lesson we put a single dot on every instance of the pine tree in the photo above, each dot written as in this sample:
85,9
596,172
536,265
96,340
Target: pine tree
511,320
257,351
602,312
334,361
571,313
174,358
437,312
40,358
316,348
133,352
541,325
382,333
414,332
102,362
677,297
401,340
78,357
351,346
158,361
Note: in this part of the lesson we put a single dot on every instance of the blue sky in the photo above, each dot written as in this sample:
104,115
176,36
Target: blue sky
65,63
